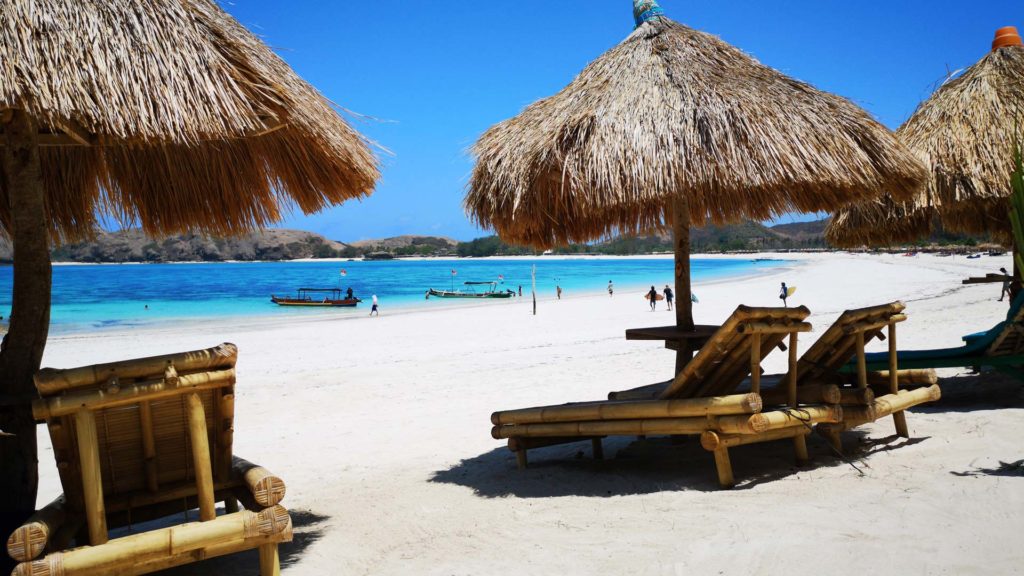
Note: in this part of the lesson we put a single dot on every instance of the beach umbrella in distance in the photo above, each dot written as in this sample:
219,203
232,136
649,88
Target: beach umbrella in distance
966,132
674,127
166,114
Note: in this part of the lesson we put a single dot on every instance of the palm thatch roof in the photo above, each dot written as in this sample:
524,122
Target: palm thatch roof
674,114
171,115
966,132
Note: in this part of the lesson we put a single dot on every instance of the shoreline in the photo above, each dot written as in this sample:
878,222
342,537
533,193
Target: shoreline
169,324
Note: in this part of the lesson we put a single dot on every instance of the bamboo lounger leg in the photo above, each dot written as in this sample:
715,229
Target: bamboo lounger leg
598,449
270,563
898,418
724,468
92,480
521,462
800,440
201,457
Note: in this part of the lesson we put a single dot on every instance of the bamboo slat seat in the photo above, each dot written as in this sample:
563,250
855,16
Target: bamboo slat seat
700,399
140,440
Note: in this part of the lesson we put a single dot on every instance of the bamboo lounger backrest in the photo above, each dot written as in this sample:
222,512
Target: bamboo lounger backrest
735,349
850,332
146,433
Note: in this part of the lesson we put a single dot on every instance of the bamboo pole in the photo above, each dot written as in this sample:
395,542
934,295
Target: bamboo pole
267,489
724,468
886,405
684,305
198,435
803,416
598,448
856,396
148,446
71,402
224,431
791,396
899,418
806,394
711,440
144,552
50,381
739,424
875,325
92,478
644,427
29,540
913,376
862,369
769,328
755,363
270,564
630,410
521,460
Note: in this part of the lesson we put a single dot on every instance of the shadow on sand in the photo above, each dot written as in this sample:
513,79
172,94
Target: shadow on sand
308,527
645,466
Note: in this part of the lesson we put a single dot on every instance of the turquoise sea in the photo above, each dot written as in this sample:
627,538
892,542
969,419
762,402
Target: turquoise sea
96,297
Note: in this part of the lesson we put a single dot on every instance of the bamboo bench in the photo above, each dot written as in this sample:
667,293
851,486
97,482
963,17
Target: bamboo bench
144,439
699,401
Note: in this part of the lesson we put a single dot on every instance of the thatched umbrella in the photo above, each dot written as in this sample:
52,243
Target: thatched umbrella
966,131
166,114
674,126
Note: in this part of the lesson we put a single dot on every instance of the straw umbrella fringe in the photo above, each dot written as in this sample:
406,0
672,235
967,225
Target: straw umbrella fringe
674,126
966,133
165,114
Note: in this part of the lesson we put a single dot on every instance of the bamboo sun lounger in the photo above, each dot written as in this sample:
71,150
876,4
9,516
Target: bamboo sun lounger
701,400
1001,347
140,440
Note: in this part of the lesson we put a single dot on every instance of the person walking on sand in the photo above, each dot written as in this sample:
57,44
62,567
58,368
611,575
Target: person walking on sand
653,297
373,310
611,289
669,296
558,291
783,294
520,290
1006,284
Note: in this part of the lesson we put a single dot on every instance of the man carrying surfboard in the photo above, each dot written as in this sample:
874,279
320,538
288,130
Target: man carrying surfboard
653,297
783,294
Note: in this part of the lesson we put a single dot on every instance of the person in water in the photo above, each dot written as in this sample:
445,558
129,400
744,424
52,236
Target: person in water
374,310
558,291
611,289
669,296
783,294
653,297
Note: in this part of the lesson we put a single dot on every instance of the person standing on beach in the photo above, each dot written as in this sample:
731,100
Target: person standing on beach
520,290
1006,284
558,291
611,289
373,310
669,296
653,297
783,294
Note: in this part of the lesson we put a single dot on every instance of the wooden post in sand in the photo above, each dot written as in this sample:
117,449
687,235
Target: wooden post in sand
684,304
533,287
800,440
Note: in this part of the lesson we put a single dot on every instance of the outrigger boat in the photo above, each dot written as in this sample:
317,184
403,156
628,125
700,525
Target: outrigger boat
471,292
312,297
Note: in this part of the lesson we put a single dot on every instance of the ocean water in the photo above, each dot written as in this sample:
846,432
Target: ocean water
96,297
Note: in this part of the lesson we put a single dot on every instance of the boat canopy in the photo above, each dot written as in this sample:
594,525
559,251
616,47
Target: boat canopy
480,283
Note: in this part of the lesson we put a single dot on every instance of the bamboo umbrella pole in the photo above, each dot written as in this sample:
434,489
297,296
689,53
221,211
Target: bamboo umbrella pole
898,418
148,445
684,304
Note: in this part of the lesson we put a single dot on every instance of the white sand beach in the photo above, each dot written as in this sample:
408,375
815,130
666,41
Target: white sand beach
380,428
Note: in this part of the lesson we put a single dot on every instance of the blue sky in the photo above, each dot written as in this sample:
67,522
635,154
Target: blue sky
434,75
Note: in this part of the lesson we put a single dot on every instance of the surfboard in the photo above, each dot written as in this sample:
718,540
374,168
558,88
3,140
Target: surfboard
657,298
790,291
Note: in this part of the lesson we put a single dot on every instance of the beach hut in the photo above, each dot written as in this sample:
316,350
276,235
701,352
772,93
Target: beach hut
674,127
168,115
967,132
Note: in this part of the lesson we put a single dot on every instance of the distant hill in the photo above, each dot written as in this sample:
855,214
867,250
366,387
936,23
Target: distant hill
410,245
134,246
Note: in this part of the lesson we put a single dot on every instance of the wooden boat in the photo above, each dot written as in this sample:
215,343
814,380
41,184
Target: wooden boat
471,291
323,297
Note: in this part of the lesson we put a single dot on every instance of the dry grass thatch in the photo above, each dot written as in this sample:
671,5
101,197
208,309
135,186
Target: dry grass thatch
860,226
193,123
675,113
966,132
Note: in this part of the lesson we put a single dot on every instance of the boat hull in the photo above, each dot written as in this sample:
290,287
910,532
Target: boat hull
468,295
315,303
